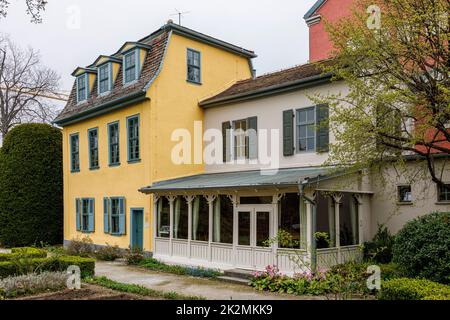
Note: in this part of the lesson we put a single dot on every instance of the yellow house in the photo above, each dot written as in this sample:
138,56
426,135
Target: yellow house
118,123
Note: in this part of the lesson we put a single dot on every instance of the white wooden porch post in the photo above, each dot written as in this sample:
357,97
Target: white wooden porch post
189,200
359,202
235,227
337,200
309,229
154,231
171,204
275,205
210,199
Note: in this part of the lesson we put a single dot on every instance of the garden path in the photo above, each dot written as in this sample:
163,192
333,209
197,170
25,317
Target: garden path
185,285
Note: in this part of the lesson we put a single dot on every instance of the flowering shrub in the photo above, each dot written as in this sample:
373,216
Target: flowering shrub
340,282
302,283
32,283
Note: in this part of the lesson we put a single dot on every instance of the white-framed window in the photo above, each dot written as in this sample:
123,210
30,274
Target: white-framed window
131,66
404,194
82,87
104,78
444,193
240,139
194,66
306,131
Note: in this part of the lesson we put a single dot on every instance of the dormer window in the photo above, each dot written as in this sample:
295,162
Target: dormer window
130,66
82,87
104,78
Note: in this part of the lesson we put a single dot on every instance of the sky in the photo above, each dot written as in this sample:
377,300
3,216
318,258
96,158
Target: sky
74,33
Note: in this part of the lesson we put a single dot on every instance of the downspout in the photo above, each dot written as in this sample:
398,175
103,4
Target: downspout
313,204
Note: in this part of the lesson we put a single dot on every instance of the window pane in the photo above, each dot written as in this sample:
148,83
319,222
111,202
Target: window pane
223,220
290,220
163,222
180,226
200,219
301,116
262,228
256,200
404,194
244,228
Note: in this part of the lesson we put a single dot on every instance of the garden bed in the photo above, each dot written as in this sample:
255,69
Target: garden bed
88,292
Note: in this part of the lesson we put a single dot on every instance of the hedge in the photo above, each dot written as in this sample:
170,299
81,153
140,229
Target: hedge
31,180
26,265
26,252
413,289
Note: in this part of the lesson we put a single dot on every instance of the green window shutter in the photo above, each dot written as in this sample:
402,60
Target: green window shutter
122,216
323,134
252,137
91,227
78,213
106,228
288,133
226,127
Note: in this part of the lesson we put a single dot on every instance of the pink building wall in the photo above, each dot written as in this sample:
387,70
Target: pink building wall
320,46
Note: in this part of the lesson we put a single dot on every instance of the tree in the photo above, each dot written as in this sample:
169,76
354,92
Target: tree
31,180
398,79
23,83
34,9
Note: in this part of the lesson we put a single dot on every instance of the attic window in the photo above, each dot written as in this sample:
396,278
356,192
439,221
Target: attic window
82,87
130,66
104,78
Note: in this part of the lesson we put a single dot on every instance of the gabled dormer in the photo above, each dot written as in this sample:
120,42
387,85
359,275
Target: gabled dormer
107,70
133,56
85,79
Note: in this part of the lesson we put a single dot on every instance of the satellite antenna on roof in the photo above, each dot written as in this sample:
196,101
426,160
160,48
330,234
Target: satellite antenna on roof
179,14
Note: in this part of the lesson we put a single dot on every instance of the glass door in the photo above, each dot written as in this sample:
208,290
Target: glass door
254,226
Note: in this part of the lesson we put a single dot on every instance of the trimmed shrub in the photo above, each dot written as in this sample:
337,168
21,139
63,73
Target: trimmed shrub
39,265
413,289
379,250
27,252
31,180
422,248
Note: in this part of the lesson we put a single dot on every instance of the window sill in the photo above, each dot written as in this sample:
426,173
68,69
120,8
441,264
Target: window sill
442,203
194,82
117,235
127,84
94,168
400,203
74,171
134,161
87,232
112,165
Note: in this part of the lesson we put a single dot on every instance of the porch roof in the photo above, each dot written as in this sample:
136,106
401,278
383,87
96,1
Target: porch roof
290,177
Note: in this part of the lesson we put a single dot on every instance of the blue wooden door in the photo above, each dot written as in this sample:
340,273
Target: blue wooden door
137,228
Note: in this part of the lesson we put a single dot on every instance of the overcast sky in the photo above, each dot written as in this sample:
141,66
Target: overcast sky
275,30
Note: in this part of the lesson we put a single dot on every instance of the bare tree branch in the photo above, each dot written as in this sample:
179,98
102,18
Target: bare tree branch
23,83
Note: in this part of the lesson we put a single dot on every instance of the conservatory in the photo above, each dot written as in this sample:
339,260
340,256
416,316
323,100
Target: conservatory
249,220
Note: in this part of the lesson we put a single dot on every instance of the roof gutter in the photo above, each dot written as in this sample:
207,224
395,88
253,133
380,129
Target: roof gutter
104,108
276,89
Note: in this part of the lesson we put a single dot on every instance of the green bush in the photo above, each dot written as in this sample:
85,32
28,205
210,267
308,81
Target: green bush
422,248
31,180
379,250
27,265
413,289
28,252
